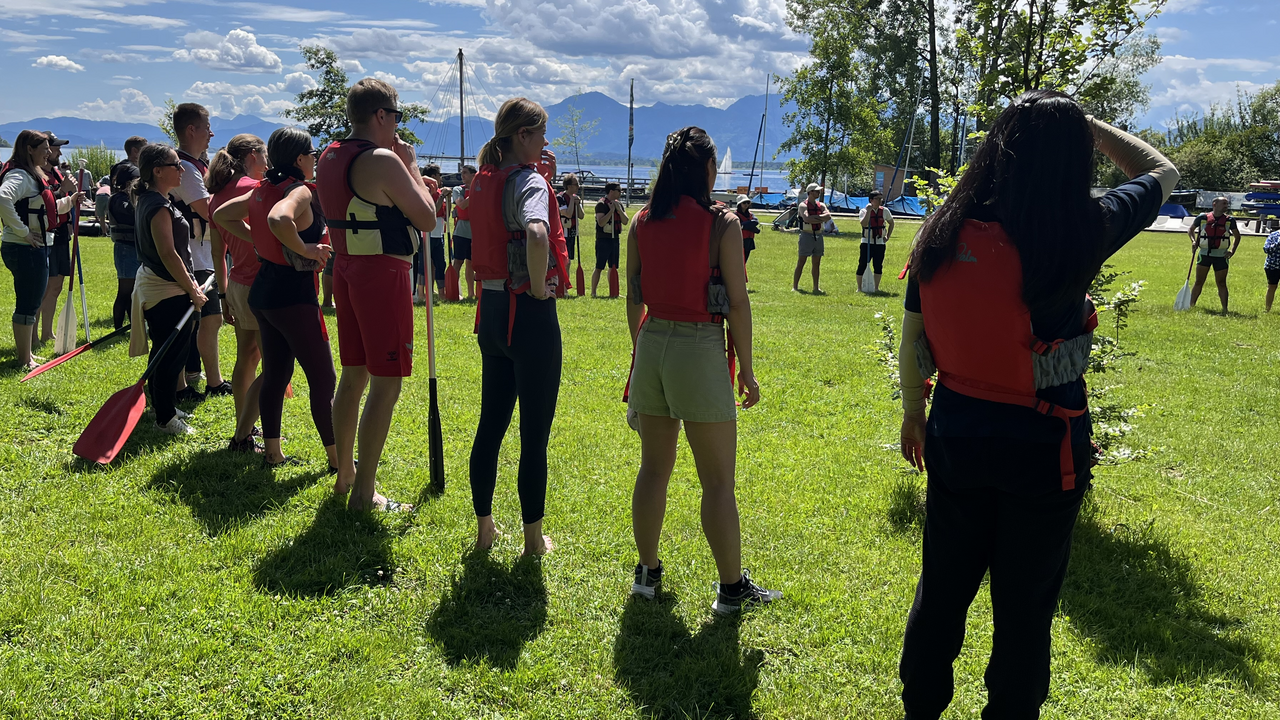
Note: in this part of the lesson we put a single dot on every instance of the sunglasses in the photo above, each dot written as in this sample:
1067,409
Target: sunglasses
308,151
394,113
172,164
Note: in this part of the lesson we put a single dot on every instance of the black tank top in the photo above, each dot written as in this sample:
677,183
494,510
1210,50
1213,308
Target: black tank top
148,204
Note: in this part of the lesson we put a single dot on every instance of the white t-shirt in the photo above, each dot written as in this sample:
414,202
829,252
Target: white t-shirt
191,191
884,231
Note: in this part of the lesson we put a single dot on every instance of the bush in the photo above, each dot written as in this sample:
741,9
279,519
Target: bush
99,157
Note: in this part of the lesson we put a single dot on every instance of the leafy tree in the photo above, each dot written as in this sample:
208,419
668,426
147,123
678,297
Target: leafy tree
323,109
166,121
98,160
574,132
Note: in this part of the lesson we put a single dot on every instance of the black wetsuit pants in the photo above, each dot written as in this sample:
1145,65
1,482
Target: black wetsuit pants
873,254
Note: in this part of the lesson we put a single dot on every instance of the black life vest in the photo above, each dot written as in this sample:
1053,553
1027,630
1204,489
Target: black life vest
182,207
34,214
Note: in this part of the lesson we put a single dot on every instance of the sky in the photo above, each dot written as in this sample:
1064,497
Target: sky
120,59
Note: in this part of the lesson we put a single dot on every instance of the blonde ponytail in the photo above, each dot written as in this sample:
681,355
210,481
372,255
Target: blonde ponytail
515,115
229,161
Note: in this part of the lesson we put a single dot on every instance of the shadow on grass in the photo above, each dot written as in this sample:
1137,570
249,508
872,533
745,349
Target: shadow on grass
672,673
339,550
224,489
905,511
490,610
1141,605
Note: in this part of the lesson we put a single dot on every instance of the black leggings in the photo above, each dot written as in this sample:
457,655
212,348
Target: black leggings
289,333
163,383
874,253
193,350
528,369
124,302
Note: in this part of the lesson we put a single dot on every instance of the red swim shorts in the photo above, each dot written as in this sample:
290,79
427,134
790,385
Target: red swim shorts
373,294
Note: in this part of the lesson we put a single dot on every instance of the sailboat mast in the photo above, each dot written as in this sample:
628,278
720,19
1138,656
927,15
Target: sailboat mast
462,121
759,136
764,126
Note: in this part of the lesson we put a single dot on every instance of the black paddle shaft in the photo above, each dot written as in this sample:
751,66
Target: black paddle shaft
435,442
155,362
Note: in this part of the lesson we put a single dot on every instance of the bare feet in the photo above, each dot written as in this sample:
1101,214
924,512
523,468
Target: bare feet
486,532
543,546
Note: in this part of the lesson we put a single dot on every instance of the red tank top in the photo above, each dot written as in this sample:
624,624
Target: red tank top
244,261
265,196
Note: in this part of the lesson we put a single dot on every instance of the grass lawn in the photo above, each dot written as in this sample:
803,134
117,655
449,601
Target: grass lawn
183,581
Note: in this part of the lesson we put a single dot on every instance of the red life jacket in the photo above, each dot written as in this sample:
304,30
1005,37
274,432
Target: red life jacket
491,240
745,218
874,228
814,208
264,197
678,249
464,213
357,226
979,329
34,214
55,180
1213,231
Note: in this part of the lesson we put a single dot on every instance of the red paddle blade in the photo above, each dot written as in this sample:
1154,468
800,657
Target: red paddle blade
451,291
111,427
582,281
55,362
288,390
613,282
905,269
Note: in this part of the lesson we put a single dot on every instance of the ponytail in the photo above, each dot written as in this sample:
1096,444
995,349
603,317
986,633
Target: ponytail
228,163
514,115
151,157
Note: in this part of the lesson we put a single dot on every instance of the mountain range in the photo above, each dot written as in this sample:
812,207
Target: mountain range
736,126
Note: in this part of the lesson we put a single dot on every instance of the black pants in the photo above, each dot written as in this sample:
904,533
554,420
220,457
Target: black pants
288,334
163,383
1025,542
527,369
874,254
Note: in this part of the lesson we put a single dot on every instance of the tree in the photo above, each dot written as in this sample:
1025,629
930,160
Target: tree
166,121
323,109
574,132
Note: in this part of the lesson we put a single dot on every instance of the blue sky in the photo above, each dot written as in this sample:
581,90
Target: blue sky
120,59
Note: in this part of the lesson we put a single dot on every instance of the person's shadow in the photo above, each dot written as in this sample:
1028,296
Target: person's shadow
490,610
1141,605
672,673
340,549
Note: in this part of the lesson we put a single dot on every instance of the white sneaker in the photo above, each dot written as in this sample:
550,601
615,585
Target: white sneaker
175,426
181,415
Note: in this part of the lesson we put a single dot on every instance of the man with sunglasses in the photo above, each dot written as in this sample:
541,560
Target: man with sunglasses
373,198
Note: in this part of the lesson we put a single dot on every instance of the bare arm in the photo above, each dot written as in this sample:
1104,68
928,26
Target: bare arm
231,217
162,234
635,302
622,212
383,177
734,274
1193,232
888,233
538,254
602,219
293,211
577,201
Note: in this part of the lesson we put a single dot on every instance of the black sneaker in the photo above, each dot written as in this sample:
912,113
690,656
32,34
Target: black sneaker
648,581
247,445
189,394
742,595
223,389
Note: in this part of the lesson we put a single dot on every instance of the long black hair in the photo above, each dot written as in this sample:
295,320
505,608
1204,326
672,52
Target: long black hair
1033,174
683,172
284,147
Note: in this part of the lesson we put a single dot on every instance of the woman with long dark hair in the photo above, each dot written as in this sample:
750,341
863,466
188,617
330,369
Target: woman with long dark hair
287,229
234,171
996,302
682,371
166,283
519,258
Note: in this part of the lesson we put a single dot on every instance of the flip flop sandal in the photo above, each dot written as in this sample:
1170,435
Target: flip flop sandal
394,507
288,461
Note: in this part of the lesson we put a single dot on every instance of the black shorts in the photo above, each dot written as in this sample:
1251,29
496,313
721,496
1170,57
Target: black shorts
1218,263
1273,275
328,266
570,239
606,252
60,253
437,259
461,248
214,305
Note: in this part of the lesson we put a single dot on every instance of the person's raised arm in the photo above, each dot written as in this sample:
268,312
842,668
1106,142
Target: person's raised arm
580,209
1134,156
734,274
622,212
230,218
389,173
284,219
635,300
864,217
162,235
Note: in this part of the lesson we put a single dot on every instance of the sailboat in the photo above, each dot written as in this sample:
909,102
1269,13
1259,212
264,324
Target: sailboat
724,174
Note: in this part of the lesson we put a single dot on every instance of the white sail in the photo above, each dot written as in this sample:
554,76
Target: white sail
724,175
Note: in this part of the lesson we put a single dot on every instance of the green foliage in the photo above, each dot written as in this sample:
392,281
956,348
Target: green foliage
99,159
1231,145
166,121
322,110
935,192
1112,418
574,132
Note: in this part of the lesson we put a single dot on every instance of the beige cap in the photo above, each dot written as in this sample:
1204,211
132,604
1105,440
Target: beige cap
742,199
814,187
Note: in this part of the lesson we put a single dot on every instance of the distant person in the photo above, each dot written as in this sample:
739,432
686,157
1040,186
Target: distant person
997,294
60,267
377,202
120,213
683,265
461,201
750,226
191,125
1271,264
812,213
877,228
610,217
101,197
432,173
1209,234
166,284
520,261
26,204
571,210
235,171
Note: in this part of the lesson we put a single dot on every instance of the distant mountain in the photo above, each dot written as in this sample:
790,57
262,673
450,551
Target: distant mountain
84,132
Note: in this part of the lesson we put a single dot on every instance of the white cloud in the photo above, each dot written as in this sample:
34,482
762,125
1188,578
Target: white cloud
58,62
351,66
1183,6
1181,62
87,11
293,83
239,51
1170,35
400,84
123,80
95,30
284,13
132,106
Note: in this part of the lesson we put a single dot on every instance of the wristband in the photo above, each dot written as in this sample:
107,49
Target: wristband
222,296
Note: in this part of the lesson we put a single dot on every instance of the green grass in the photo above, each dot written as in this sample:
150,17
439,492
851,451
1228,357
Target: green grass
183,581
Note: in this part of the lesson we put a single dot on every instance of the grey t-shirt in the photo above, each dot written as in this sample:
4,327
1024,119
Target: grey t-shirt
526,198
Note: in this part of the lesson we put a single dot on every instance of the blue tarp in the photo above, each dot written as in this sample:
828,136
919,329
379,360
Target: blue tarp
898,206
1176,211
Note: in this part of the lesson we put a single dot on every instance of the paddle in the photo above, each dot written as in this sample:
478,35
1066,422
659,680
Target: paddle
582,279
66,339
868,282
451,291
435,437
1183,299
63,358
107,432
84,299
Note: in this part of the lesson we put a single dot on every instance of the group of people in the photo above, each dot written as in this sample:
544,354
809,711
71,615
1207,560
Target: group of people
1005,442
1212,248
877,227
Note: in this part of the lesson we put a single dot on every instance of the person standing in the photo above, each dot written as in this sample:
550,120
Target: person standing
520,261
812,213
1271,265
26,204
370,185
120,213
1208,233
191,198
610,217
877,228
166,284
62,185
750,226
235,171
1006,443
681,372
461,202
432,173
571,210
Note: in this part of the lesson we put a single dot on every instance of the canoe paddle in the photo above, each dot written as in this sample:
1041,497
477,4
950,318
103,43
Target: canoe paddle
63,358
108,431
435,437
1183,299
66,339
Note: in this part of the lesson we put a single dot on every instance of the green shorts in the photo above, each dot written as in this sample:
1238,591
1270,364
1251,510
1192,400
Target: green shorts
681,372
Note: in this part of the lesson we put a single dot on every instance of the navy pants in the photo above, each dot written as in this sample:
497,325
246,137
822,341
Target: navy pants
30,268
